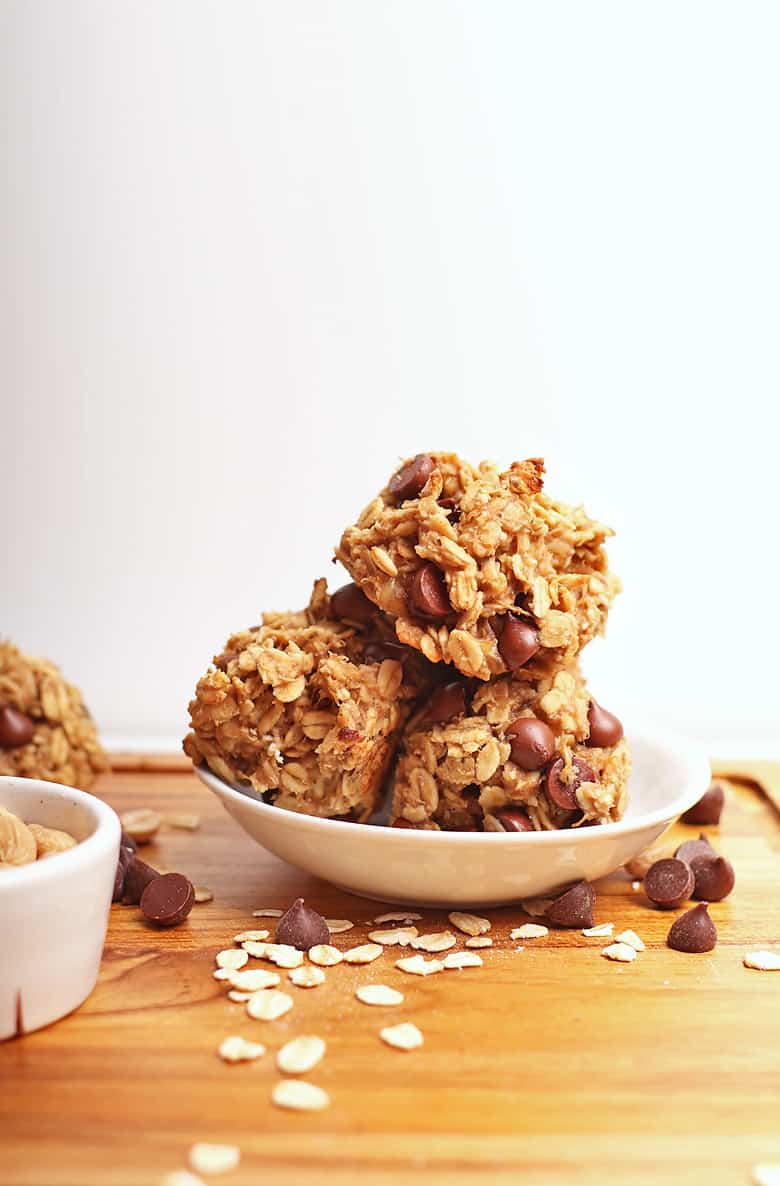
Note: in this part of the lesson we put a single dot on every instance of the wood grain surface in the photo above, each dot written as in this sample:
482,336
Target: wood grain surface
551,1065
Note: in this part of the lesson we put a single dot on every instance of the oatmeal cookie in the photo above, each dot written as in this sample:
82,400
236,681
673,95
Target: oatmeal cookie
45,728
480,568
515,754
307,707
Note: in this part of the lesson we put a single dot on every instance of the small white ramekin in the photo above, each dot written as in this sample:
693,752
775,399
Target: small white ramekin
54,912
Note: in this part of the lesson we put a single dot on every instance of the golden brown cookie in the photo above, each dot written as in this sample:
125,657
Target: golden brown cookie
515,754
307,708
480,568
46,730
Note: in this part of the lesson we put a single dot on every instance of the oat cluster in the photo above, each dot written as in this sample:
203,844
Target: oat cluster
449,667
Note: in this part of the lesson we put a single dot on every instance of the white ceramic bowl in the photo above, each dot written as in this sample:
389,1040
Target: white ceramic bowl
54,912
449,869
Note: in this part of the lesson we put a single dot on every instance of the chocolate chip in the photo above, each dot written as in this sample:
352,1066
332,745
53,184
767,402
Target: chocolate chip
350,602
605,728
693,931
449,504
302,927
137,877
669,883
693,848
447,702
714,877
408,481
16,728
377,652
532,742
514,819
123,860
519,640
561,793
574,908
709,807
428,593
168,899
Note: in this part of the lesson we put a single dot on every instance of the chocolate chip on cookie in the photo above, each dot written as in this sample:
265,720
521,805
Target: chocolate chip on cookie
350,603
408,481
518,641
532,742
16,728
428,593
605,728
377,652
514,819
446,703
449,504
563,794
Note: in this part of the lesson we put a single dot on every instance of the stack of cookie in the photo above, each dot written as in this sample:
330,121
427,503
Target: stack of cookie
450,662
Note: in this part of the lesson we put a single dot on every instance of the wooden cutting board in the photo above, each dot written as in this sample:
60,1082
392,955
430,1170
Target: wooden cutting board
550,1065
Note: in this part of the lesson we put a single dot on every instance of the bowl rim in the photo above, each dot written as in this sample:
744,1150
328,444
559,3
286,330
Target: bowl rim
107,832
692,755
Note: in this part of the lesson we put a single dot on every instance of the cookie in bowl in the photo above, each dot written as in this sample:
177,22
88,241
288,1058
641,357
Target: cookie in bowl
307,708
479,567
516,754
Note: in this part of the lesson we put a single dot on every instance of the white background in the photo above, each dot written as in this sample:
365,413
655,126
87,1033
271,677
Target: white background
253,252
